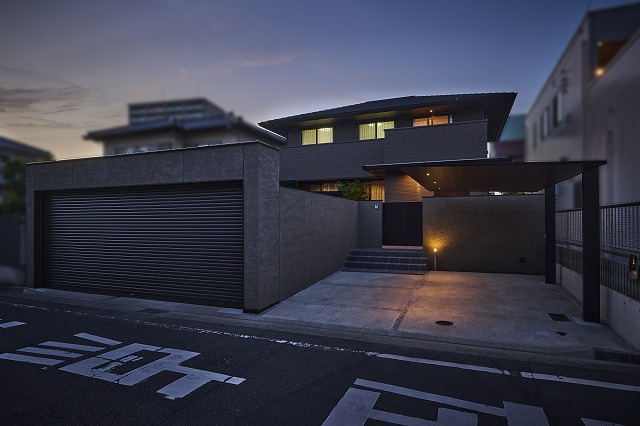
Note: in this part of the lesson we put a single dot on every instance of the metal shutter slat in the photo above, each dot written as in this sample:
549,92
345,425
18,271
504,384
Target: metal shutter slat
177,242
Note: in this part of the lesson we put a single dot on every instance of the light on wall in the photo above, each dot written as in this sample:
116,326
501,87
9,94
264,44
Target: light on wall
435,259
633,267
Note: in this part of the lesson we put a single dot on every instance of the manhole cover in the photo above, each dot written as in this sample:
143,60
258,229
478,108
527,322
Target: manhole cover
445,323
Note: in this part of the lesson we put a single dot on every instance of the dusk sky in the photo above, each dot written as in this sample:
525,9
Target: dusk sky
71,66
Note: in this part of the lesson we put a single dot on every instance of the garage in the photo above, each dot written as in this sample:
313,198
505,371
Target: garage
180,242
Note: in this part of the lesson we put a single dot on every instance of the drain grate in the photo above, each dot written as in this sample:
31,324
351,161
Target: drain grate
617,356
153,311
444,323
559,317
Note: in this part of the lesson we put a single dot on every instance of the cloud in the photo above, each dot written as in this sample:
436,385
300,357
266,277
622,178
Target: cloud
29,98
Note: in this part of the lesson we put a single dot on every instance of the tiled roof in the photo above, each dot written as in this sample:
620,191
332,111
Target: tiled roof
208,123
405,102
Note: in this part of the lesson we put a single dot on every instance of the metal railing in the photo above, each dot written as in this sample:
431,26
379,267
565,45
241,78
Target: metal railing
619,238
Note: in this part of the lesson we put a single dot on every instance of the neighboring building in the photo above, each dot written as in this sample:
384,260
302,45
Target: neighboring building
511,143
588,107
328,146
155,126
10,149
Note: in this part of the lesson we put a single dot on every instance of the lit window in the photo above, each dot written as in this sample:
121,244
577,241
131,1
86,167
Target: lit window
374,130
325,135
367,131
314,136
431,121
309,137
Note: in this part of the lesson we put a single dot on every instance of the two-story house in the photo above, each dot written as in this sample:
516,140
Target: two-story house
325,147
180,123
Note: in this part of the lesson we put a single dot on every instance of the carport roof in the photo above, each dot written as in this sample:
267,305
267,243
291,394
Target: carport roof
487,174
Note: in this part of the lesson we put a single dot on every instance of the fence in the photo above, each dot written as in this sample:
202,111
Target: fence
619,238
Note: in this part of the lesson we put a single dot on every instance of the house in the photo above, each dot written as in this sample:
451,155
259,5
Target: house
328,146
588,106
511,143
175,124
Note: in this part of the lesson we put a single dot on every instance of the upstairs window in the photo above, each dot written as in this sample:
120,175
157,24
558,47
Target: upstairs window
374,130
315,136
558,113
544,124
433,120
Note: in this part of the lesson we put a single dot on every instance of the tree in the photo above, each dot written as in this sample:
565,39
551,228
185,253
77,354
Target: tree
15,173
354,190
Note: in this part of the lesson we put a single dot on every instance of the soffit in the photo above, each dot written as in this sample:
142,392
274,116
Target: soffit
483,175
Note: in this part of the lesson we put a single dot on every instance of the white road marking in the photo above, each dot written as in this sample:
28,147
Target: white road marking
584,382
11,324
523,374
30,359
72,346
444,364
460,403
353,409
101,366
525,415
53,352
98,339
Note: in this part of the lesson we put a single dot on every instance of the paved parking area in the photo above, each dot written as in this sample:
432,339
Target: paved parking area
496,310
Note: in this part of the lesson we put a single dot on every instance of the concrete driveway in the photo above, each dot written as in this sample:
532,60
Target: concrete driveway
496,310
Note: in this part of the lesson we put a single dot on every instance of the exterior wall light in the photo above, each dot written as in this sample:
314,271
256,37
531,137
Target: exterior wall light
435,259
633,267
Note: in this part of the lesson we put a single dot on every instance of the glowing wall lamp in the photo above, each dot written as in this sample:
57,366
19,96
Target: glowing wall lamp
633,267
435,259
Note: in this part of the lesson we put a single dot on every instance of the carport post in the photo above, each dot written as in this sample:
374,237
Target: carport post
550,234
591,245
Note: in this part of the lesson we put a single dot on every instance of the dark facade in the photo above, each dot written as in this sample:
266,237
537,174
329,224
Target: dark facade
328,146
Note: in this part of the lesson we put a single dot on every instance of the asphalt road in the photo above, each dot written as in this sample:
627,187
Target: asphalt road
74,365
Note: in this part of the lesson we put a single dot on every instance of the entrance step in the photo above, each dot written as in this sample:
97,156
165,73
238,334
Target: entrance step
390,261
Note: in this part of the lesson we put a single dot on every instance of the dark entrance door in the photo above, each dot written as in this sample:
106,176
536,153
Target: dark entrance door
402,224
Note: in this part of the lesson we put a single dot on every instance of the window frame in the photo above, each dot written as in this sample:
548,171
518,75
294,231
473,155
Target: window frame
316,138
377,127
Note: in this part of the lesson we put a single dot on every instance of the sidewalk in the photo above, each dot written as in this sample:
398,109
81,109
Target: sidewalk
482,313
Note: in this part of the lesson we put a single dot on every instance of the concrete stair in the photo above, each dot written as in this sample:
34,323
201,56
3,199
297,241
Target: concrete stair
390,261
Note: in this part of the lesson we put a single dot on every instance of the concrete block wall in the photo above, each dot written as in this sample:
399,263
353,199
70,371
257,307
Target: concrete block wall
316,233
369,224
618,311
500,234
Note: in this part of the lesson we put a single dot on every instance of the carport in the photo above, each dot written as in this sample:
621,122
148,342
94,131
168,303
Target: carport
505,175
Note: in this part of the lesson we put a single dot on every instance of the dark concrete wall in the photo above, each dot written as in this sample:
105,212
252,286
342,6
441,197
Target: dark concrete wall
255,163
10,239
486,234
316,233
370,224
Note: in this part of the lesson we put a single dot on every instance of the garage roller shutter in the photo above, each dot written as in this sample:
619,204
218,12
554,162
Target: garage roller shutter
179,242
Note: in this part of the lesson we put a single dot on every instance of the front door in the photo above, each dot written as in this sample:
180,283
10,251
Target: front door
402,224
